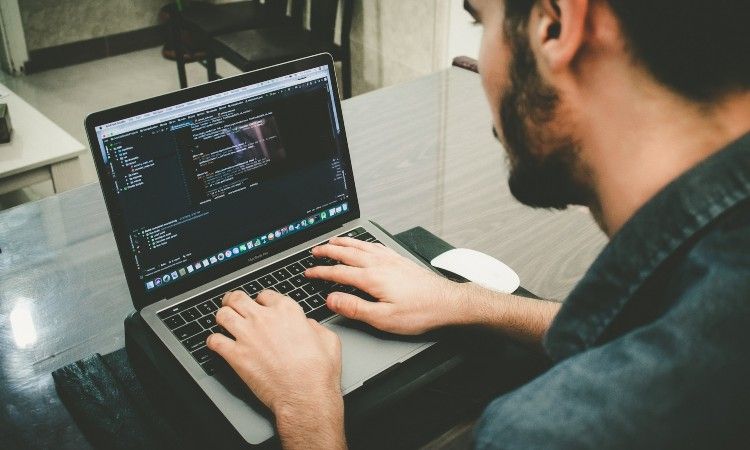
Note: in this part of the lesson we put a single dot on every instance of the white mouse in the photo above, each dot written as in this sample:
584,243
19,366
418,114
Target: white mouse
479,268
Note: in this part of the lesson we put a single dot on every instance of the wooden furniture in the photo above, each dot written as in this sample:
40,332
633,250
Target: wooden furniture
255,48
198,22
39,150
423,154
466,62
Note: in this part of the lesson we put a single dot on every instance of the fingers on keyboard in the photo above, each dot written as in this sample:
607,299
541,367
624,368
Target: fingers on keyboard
194,320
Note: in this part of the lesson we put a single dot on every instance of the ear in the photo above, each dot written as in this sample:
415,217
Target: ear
559,31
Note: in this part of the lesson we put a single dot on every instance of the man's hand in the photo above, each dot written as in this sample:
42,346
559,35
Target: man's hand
291,363
412,300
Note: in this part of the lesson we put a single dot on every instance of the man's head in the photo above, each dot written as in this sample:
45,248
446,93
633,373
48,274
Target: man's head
544,63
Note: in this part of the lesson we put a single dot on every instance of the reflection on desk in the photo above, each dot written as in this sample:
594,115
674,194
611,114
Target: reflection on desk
423,154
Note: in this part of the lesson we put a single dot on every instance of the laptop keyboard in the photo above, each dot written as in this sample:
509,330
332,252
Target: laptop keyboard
194,320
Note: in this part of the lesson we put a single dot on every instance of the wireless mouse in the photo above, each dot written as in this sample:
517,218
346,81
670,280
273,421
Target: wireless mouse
478,268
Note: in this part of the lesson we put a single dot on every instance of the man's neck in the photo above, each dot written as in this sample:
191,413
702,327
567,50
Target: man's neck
644,145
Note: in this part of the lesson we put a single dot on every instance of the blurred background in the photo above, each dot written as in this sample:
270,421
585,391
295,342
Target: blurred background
68,58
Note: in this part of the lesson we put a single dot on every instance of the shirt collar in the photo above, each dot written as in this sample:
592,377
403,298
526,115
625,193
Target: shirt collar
644,243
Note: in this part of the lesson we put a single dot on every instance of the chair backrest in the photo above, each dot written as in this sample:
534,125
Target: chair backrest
277,6
323,17
465,62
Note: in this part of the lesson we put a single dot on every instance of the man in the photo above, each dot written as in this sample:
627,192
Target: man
638,109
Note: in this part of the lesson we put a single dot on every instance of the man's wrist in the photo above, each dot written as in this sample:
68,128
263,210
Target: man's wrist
313,422
475,305
524,319
463,303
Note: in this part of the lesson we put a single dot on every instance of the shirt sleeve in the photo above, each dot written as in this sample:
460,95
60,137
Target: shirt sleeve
682,381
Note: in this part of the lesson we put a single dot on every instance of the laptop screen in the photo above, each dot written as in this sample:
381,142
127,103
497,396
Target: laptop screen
215,179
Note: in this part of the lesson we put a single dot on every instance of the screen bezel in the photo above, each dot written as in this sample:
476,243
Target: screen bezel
142,297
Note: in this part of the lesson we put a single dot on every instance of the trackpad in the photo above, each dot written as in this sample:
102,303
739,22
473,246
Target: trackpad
366,351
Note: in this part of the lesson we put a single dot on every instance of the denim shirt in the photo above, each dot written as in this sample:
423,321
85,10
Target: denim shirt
652,347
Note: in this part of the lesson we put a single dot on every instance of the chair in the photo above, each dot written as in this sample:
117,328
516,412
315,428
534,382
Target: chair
465,62
255,48
203,20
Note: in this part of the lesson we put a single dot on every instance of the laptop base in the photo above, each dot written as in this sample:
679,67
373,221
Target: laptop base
154,363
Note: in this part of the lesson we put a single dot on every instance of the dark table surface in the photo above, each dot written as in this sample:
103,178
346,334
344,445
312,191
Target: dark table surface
423,154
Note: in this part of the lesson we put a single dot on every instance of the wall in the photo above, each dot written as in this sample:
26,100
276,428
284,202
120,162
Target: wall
48,23
463,35
396,40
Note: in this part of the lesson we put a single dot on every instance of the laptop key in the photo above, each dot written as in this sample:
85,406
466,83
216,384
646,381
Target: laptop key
188,330
308,262
207,307
295,268
197,341
331,287
305,307
252,287
190,314
345,288
299,281
221,330
172,310
203,355
363,295
209,366
311,288
174,321
267,281
217,301
352,290
298,295
321,313
207,321
281,274
284,287
324,287
309,250
316,301
354,232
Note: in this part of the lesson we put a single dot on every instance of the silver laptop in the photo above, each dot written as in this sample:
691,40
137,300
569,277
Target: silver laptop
228,186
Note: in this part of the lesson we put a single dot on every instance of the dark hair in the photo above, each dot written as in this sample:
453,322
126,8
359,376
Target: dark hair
699,48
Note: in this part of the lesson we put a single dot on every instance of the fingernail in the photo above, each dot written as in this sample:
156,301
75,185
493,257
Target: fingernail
332,300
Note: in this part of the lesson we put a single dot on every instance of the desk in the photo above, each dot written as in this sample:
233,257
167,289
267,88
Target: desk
38,150
423,154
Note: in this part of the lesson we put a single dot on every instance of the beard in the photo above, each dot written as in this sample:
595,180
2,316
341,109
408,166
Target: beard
545,170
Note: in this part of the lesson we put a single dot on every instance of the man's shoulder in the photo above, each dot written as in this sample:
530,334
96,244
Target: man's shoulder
716,268
677,381
729,236
710,289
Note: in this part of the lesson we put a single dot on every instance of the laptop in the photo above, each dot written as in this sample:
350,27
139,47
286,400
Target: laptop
228,186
